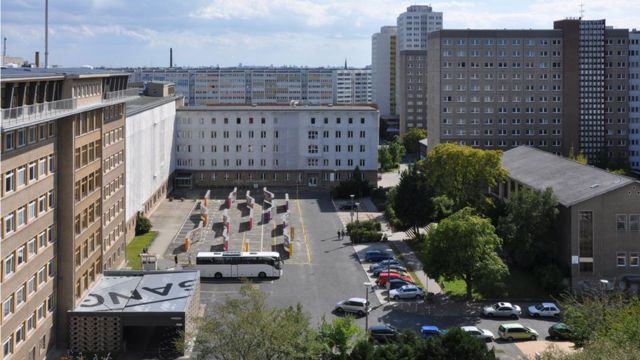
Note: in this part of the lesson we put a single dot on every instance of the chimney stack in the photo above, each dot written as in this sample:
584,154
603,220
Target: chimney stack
37,59
170,57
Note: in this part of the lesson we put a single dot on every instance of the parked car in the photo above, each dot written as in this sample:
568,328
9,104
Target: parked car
348,207
560,331
358,306
377,255
383,333
396,283
544,309
516,331
384,278
428,331
398,268
502,309
407,292
383,263
482,334
393,271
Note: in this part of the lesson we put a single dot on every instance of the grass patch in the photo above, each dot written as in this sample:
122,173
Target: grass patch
134,248
519,285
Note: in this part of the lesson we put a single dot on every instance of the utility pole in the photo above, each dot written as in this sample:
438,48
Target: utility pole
46,34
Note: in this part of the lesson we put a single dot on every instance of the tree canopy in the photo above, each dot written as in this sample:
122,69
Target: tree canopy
463,174
463,246
412,203
411,139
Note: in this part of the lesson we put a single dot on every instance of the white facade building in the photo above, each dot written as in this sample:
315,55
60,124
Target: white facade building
414,25
149,136
283,145
383,70
353,86
634,101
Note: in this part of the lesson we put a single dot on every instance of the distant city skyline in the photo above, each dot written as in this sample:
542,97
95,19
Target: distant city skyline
255,32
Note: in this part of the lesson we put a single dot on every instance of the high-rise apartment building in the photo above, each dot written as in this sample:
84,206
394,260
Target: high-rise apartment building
413,27
383,71
352,86
562,90
62,140
634,101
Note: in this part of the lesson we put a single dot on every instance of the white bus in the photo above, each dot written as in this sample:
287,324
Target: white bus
235,264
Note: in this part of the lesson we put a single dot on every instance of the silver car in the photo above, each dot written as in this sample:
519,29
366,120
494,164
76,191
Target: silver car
502,309
482,334
407,292
358,306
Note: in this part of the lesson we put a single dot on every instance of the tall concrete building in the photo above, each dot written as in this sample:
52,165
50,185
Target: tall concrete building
413,27
275,145
352,86
383,71
62,140
562,90
634,101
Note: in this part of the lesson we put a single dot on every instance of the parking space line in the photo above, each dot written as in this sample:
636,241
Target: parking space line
304,231
244,235
273,236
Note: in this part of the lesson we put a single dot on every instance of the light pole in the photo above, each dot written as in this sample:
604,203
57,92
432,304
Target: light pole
357,208
367,286
352,196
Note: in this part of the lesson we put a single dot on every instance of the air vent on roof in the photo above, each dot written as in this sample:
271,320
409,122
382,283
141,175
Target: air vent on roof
594,186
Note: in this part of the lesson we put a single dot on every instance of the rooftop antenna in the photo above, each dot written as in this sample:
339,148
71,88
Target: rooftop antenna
581,10
46,34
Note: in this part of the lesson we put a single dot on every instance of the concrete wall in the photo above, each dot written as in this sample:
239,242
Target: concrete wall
149,160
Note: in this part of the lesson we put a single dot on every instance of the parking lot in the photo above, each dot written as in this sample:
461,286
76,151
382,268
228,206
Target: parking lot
324,269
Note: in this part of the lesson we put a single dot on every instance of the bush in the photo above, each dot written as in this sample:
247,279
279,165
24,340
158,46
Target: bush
143,225
550,278
364,231
369,225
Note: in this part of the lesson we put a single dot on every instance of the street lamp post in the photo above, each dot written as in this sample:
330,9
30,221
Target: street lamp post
367,286
351,196
357,209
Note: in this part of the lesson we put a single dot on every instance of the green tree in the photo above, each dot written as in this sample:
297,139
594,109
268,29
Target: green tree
339,337
528,227
463,174
412,203
463,246
396,149
246,328
385,159
411,139
143,225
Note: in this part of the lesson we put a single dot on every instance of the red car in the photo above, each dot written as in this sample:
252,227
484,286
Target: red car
383,278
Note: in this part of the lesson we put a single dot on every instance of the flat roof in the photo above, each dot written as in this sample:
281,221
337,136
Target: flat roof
140,291
144,103
571,181
280,108
26,73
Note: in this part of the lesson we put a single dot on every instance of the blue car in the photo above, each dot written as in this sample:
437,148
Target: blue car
377,255
428,331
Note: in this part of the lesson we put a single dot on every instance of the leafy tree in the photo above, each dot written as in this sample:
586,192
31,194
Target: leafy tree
528,227
385,159
463,174
339,337
396,149
246,328
463,246
411,139
356,185
143,225
412,203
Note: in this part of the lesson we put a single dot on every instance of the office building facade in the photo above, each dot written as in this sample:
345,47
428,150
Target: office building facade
352,86
413,27
383,71
634,101
62,140
275,145
562,90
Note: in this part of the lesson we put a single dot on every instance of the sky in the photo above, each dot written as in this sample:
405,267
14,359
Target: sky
118,33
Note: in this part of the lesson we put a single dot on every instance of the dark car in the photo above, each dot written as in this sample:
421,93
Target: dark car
428,331
396,268
398,283
383,333
377,255
383,263
560,331
349,207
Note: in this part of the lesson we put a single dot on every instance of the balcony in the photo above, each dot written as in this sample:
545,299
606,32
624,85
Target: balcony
34,114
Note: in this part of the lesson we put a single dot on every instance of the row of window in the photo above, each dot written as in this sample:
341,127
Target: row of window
633,259
502,110
225,134
16,338
87,185
87,248
490,99
26,136
315,162
88,278
87,122
27,251
24,292
24,175
113,112
275,176
503,121
86,90
87,217
505,143
312,121
113,161
113,136
113,236
627,222
87,154
25,214
115,185
314,149
313,134
113,211
502,42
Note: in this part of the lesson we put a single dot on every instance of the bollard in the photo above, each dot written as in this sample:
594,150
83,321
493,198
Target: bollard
290,249
293,233
186,244
226,245
250,223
